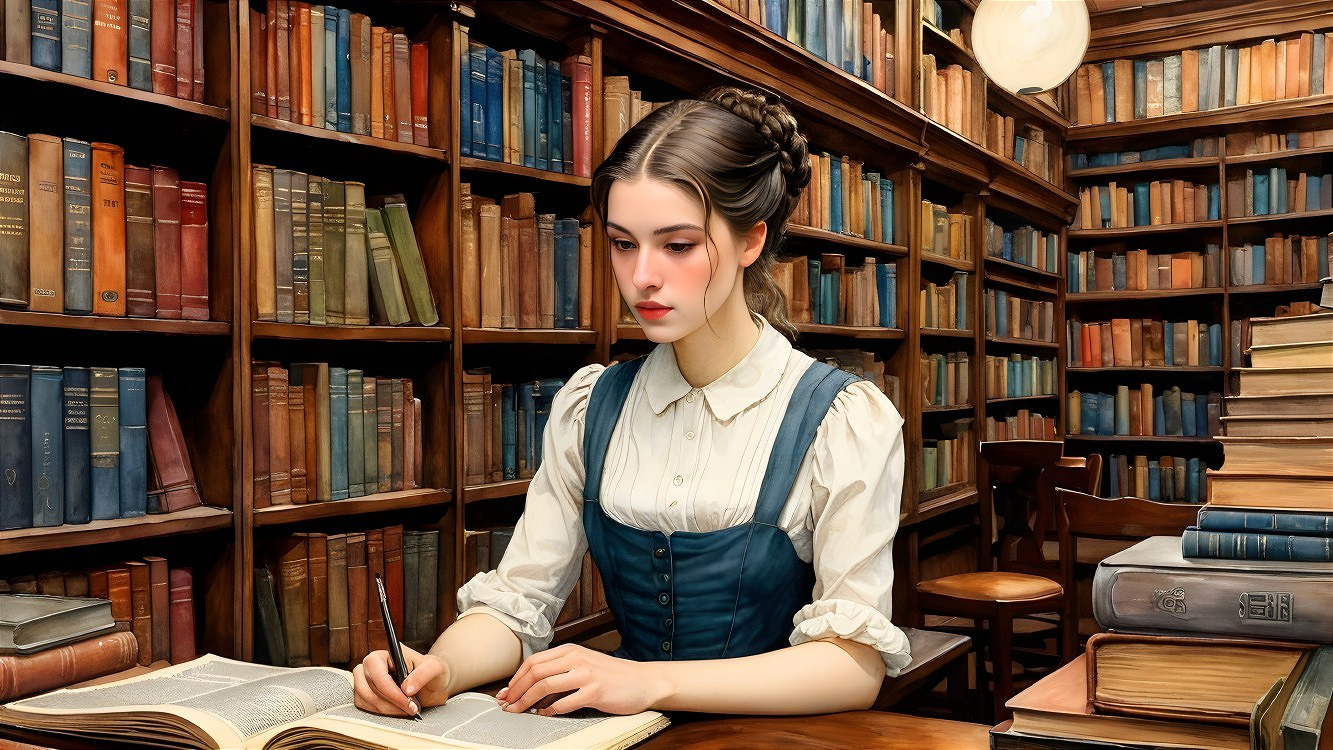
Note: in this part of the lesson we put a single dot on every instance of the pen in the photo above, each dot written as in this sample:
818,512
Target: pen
395,649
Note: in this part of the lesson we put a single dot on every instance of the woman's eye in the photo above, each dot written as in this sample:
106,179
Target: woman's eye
680,247
623,245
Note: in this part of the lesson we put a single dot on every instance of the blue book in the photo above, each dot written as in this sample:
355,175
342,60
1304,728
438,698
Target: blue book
1142,204
835,195
1168,342
1108,86
566,125
1113,478
1154,481
1293,140
1241,545
45,30
1001,320
830,291
1322,252
1105,414
1215,344
1317,71
1214,202
886,208
554,133
814,276
77,482
343,88
833,32
1007,246
1277,190
1140,89
15,448
140,46
133,442
104,411
1104,196
1158,416
477,116
543,112
76,37
508,433
529,59
960,300
1189,421
567,273
495,89
527,440
1201,415
1088,413
1260,194
1192,480
78,227
338,433
543,393
48,464
331,58
775,16
1072,276
886,277
1020,147
1312,183
814,28
465,99
1118,272
1256,263
1262,520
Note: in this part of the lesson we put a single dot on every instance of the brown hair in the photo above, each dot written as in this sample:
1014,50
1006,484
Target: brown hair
741,154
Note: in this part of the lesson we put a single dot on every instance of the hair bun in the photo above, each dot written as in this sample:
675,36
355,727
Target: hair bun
776,124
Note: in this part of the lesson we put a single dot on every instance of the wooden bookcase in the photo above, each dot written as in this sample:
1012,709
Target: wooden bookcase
668,49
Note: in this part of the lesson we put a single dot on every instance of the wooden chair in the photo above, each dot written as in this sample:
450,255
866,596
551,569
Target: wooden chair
935,655
1017,471
1128,519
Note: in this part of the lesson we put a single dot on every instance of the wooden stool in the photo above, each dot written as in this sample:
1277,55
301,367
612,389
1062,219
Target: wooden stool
935,655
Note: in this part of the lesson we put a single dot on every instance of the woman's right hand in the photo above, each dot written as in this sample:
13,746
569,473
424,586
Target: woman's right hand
376,690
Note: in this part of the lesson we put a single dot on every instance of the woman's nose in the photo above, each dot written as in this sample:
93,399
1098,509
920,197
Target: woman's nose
646,275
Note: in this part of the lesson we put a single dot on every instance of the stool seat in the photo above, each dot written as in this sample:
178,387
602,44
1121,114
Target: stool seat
993,586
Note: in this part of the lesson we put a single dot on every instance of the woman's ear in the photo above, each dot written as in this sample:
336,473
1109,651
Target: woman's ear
754,244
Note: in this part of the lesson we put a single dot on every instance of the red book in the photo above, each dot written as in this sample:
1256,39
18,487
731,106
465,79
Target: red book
140,276
141,611
579,70
393,576
374,565
182,615
22,675
1085,342
271,59
173,477
110,41
258,62
194,250
160,607
162,27
185,48
420,89
167,241
198,55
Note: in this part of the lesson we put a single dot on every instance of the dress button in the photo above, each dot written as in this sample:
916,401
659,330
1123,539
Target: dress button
666,646
690,398
666,578
677,480
659,552
667,622
664,599
689,436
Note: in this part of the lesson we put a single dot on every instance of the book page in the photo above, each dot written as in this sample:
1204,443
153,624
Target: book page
229,700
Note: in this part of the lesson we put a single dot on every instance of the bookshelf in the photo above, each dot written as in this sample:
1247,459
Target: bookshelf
668,49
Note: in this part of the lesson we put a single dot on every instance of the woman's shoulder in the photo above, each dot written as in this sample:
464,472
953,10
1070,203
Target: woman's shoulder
572,398
863,408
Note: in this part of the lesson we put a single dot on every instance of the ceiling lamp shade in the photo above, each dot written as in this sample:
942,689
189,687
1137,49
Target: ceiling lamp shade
1028,46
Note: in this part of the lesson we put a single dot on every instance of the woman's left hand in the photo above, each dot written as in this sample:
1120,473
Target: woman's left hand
587,678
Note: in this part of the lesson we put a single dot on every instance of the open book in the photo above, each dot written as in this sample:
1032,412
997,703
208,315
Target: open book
213,702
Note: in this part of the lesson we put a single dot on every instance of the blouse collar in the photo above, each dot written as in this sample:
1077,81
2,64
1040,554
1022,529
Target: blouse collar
744,385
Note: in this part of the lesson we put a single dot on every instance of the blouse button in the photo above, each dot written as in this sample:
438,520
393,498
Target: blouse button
666,646
678,480
659,552
689,436
690,397
664,598
667,622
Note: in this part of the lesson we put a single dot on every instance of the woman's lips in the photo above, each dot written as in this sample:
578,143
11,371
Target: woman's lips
652,312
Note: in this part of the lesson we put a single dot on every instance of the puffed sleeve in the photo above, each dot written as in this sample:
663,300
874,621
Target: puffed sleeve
856,476
545,557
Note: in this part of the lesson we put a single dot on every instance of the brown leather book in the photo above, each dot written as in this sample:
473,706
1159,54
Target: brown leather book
1293,68
184,48
173,475
1136,342
99,586
402,88
409,436
1189,80
51,583
546,269
110,41
1120,342
197,91
283,64
1102,267
1268,71
258,59
279,438
358,606
296,430
259,435
510,282
309,393
1180,271
474,427
29,674
108,205
294,597
585,276
370,434
141,609
14,282
420,71
393,577
265,243
159,596
522,207
360,47
194,251
140,276
374,566
377,81
1192,343
384,433
304,62
488,247
418,476
46,221
340,644
494,433
470,259
396,436
1146,408
76,584
271,59
390,123
182,615
1108,350
1124,90
317,560
167,242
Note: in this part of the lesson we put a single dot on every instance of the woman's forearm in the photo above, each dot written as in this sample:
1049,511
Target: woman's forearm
816,677
477,649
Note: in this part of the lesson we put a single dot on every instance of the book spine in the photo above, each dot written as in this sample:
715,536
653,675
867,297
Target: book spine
194,250
567,273
338,432
140,46
275,302
77,451
103,400
110,40
22,675
1245,545
318,298
46,220
330,64
402,88
493,124
317,562
14,280
340,646
300,246
133,425
181,586
108,213
334,264
140,274
162,47
420,55
356,281
45,25
370,434
166,225
48,470
410,263
359,52
173,474
1311,524
141,611
76,40
356,447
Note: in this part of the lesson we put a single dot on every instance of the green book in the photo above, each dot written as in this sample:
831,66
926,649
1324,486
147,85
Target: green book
356,466
1307,710
315,248
929,470
410,263
335,252
385,285
356,289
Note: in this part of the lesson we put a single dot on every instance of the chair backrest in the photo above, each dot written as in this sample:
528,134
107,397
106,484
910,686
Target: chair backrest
1081,473
1007,479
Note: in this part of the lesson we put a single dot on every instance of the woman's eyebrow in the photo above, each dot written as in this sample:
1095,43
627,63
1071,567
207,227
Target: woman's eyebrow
657,232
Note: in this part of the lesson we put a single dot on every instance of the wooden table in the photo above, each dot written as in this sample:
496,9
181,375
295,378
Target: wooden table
853,729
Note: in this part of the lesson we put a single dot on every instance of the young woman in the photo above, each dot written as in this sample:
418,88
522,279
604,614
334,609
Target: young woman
739,499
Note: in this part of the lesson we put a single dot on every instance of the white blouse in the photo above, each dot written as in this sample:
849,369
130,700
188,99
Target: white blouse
693,459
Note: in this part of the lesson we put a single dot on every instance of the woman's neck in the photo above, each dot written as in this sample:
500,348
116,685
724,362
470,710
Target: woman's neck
709,352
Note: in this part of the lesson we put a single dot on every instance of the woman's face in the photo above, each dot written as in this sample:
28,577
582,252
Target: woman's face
663,262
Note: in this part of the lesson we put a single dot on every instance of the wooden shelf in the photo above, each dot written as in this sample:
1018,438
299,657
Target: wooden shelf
852,332
952,408
1290,216
1196,162
944,260
1009,265
941,500
801,232
1032,344
1107,233
34,73
946,333
1275,288
1141,294
470,163
584,626
1028,107
528,336
930,31
1141,438
1261,112
190,521
1020,399
303,332
1276,155
337,136
1181,369
509,488
276,515
115,325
